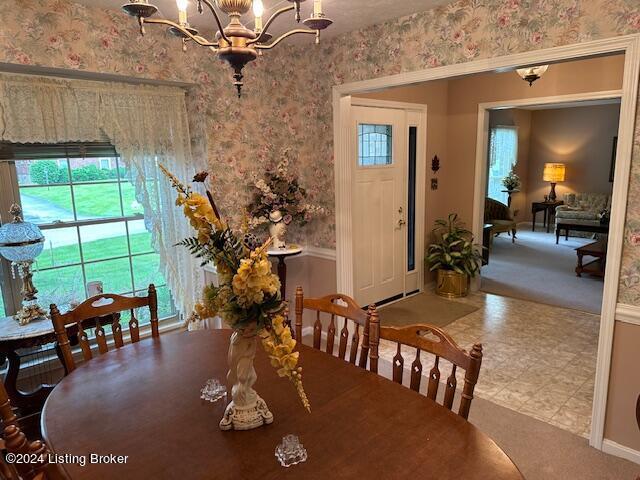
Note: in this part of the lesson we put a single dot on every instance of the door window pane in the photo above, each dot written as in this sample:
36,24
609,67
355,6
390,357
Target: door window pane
411,201
374,145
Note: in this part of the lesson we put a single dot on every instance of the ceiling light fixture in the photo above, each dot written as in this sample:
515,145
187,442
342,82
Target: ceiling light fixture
235,43
531,74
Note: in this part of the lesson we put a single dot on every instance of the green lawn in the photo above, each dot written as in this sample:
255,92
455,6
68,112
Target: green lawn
97,200
67,282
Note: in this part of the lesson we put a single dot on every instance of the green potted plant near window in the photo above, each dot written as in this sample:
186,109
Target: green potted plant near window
454,257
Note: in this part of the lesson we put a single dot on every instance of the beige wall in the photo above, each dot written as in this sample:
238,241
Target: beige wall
624,387
579,137
521,119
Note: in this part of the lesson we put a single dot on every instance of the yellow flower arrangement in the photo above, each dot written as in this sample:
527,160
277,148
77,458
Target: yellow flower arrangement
248,295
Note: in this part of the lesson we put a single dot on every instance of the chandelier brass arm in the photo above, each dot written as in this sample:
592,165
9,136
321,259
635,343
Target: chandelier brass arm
215,16
196,38
271,20
285,35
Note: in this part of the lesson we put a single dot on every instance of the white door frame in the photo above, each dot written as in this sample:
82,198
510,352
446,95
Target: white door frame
630,46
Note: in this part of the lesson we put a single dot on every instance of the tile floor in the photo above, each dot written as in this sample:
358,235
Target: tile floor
538,359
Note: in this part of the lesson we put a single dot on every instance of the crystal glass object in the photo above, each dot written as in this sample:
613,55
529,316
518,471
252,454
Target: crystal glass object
20,243
290,451
213,390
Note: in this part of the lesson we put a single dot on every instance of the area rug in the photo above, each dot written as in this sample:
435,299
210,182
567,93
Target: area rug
424,308
534,268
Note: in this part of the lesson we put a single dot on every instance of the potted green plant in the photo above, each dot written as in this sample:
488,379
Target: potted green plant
454,256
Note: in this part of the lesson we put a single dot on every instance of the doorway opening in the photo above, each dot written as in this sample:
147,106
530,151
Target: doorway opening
459,187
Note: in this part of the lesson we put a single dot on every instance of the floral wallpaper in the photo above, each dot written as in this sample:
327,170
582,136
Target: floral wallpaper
287,97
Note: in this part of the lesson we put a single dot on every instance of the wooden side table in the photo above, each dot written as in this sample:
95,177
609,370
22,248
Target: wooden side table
14,337
548,209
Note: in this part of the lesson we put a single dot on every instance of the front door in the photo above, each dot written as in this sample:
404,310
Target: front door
379,203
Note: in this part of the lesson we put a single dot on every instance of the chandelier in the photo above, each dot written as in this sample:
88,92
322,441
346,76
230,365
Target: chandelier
235,43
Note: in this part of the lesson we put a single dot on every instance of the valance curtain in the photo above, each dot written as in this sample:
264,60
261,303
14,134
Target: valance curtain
146,124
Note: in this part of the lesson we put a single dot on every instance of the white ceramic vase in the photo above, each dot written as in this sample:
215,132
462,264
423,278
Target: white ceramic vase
277,229
246,409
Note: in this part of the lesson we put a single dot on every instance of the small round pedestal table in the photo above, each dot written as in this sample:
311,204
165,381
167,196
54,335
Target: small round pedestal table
281,254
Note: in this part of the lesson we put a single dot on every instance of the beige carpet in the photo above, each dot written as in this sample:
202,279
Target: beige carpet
544,452
424,308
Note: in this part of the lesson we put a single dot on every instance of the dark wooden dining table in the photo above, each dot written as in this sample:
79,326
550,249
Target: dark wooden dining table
143,401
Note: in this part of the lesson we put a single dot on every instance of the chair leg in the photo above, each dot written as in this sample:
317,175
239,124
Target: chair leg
513,236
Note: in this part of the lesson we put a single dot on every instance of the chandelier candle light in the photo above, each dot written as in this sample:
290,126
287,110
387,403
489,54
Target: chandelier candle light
20,243
235,43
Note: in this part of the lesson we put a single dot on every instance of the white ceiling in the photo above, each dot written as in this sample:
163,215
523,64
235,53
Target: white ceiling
347,15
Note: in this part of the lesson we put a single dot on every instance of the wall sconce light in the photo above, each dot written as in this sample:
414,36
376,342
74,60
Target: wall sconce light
435,163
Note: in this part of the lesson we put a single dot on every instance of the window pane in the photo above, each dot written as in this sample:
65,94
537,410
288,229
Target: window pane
47,204
139,237
375,145
60,247
97,201
115,275
411,201
59,285
42,172
129,202
93,169
104,240
165,305
503,155
146,270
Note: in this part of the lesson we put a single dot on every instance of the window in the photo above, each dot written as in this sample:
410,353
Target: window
93,225
374,145
503,155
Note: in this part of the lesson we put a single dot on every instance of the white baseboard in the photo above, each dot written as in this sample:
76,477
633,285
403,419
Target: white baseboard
613,448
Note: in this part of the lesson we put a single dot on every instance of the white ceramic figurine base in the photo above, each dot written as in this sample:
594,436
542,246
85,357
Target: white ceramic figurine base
246,409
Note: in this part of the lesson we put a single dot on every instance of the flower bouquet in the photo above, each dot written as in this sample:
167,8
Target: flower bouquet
511,182
278,199
247,299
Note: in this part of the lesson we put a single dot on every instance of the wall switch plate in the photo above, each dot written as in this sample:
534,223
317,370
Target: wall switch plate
434,184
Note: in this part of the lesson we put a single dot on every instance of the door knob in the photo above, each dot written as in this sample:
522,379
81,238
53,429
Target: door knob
401,222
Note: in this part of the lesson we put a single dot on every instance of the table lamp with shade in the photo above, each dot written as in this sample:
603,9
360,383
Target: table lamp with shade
20,243
553,173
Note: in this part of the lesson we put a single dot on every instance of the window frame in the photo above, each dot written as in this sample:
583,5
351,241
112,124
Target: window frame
10,193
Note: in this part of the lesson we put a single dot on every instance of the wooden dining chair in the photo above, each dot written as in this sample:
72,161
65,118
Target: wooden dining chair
431,339
14,441
362,323
100,310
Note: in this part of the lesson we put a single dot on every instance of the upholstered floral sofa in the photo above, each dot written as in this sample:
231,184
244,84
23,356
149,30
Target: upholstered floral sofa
583,209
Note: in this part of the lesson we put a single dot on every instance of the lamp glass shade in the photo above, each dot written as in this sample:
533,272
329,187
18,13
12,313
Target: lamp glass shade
553,172
20,241
536,71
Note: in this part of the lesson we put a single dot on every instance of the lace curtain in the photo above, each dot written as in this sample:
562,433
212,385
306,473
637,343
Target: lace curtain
503,156
146,124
